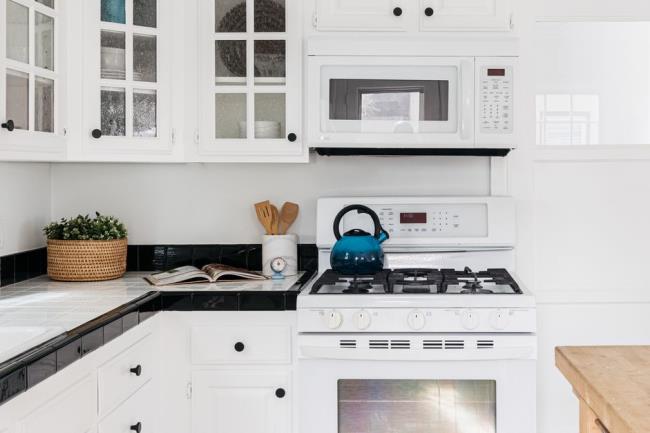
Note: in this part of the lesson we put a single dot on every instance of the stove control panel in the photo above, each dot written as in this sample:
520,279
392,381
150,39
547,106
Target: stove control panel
460,220
426,320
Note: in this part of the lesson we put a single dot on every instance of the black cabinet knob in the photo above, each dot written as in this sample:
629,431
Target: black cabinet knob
96,133
9,125
292,137
137,428
397,12
137,370
239,346
280,393
428,12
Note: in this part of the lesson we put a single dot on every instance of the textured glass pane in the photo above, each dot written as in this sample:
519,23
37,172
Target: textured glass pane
113,11
144,58
269,16
270,115
17,32
44,40
113,111
18,98
230,62
48,3
44,103
270,60
230,111
144,113
229,16
144,13
113,55
416,406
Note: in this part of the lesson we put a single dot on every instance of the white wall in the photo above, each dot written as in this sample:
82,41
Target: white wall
213,203
24,206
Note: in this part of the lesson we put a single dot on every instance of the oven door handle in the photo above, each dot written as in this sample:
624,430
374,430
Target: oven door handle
510,353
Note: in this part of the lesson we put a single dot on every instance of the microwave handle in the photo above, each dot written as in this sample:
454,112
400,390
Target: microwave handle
466,98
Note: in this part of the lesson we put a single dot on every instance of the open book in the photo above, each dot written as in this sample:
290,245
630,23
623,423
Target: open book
207,274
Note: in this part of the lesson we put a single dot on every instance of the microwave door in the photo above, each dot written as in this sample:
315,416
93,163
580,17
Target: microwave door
423,102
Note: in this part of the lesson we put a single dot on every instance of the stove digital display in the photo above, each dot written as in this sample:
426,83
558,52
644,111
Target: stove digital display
413,218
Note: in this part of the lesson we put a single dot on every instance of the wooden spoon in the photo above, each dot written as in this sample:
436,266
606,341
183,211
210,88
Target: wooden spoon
275,222
288,216
264,215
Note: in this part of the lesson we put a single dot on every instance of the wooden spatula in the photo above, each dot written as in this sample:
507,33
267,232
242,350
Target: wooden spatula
275,222
264,215
288,215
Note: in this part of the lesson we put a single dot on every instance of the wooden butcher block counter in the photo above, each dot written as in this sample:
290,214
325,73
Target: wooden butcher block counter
613,385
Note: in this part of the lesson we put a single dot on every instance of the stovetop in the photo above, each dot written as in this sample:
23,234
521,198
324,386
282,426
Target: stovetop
419,281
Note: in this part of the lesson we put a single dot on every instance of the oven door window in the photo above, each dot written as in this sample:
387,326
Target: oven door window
416,406
390,100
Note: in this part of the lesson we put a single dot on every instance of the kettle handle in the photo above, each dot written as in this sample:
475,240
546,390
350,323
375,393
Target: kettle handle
360,209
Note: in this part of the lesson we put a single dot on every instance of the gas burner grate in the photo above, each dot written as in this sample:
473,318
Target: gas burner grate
414,281
333,282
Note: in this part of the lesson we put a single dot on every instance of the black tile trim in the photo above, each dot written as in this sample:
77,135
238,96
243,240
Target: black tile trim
37,364
22,266
340,151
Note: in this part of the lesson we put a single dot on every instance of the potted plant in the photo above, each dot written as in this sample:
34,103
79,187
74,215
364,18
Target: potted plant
86,249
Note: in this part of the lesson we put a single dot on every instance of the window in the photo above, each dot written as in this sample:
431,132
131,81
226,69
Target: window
568,119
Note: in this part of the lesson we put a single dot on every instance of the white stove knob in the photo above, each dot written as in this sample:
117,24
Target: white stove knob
416,320
469,319
499,319
362,319
333,319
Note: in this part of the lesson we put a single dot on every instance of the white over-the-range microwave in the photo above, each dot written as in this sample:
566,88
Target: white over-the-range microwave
411,101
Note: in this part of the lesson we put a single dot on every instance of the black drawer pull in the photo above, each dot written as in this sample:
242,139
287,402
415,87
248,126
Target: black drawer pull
239,346
292,137
280,393
397,12
8,125
428,12
137,370
96,133
137,428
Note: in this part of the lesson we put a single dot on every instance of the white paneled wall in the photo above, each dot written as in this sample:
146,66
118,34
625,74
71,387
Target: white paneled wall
24,206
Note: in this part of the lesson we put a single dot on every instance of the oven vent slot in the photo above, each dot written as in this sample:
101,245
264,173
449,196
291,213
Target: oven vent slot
378,344
348,344
485,344
432,344
454,344
400,344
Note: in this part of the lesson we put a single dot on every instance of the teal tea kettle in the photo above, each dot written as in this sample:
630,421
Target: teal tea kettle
358,252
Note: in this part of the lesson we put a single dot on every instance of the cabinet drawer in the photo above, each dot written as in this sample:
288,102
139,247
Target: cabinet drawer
72,411
241,344
125,373
137,414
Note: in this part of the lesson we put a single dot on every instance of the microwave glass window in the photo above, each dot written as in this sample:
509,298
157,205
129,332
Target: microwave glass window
416,406
389,100
592,85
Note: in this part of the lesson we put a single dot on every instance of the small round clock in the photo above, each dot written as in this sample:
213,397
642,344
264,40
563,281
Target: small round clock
278,265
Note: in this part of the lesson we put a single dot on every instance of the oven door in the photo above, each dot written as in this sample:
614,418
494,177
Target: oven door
391,101
395,389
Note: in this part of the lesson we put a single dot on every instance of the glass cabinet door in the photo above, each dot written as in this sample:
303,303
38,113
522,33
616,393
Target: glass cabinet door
251,102
29,72
128,90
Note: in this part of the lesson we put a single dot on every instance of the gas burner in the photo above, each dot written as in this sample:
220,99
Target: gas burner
414,281
332,282
474,288
357,285
468,282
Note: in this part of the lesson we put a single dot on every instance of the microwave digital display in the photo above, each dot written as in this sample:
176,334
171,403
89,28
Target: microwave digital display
496,72
413,218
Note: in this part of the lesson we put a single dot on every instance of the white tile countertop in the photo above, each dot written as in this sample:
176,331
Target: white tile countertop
34,311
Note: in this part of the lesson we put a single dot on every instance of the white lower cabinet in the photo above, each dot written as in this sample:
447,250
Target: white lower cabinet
137,414
73,411
241,402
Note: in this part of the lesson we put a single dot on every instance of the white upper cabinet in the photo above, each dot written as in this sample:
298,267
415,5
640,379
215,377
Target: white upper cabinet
31,87
250,81
411,15
127,76
442,15
365,15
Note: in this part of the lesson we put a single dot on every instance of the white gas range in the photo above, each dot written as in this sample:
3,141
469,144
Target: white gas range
443,340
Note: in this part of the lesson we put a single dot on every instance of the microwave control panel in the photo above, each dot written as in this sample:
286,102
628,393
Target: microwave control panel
496,99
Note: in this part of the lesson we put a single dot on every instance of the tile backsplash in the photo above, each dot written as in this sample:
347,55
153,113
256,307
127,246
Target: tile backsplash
22,266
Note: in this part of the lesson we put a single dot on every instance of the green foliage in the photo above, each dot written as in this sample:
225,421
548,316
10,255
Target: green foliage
84,228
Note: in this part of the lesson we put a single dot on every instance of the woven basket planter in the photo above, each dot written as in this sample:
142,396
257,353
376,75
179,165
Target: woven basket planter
86,260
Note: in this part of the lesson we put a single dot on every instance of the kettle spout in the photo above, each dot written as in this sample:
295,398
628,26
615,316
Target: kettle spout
383,236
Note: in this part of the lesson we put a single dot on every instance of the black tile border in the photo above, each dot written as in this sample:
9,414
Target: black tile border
24,371
19,267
